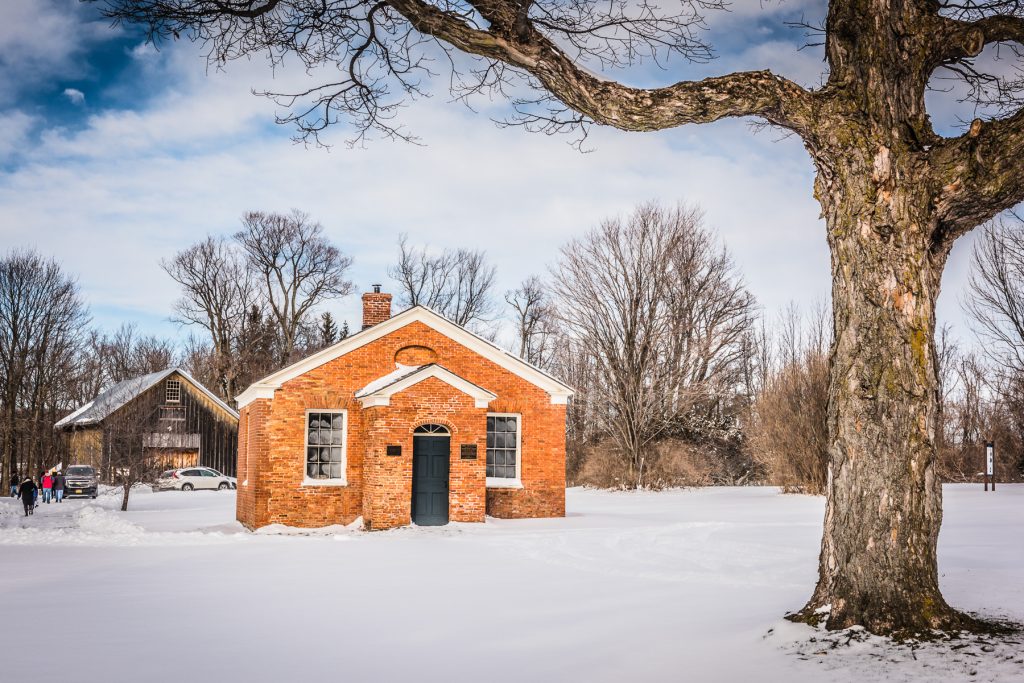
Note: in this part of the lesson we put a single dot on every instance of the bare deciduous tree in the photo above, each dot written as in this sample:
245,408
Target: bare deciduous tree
457,283
128,355
894,194
711,315
217,294
41,320
533,316
995,298
129,462
297,269
992,393
662,312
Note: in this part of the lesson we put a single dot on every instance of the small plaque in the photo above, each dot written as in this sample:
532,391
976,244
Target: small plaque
394,450
468,451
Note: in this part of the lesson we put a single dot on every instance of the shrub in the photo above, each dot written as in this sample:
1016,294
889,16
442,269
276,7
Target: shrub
789,430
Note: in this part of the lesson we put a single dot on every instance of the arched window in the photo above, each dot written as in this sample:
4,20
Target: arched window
431,429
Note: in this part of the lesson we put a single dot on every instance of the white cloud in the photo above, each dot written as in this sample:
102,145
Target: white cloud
144,51
74,95
133,187
40,39
15,126
136,186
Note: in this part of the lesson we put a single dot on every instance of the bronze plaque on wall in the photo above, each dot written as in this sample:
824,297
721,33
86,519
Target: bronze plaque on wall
468,451
394,450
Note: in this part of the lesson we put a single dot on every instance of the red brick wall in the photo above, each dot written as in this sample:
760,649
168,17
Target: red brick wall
274,432
388,479
243,502
252,452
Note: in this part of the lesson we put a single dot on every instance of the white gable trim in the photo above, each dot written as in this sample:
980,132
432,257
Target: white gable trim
266,387
382,396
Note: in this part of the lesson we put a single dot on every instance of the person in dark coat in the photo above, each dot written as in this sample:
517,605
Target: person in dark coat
58,486
27,493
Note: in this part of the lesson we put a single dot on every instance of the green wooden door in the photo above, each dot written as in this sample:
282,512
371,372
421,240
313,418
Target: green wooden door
430,456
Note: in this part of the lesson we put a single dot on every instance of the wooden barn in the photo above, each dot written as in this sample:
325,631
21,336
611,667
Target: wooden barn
178,421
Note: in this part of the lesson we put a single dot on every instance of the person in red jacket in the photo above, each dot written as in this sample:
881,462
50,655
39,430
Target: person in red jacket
47,487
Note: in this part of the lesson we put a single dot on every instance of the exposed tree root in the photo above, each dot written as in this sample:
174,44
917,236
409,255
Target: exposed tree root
944,623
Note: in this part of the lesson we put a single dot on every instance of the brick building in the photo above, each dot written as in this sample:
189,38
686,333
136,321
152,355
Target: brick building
413,419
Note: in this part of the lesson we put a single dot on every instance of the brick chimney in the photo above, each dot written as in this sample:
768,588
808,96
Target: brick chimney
376,307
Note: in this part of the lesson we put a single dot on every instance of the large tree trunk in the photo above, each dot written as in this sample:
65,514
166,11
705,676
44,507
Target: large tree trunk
878,557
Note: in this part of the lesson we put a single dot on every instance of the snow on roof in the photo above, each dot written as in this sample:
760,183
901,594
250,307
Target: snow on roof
71,418
401,371
109,400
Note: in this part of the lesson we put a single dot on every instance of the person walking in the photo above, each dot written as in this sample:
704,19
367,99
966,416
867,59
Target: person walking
47,487
58,486
27,491
15,483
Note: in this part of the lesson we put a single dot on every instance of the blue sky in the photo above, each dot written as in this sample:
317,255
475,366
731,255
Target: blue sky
114,155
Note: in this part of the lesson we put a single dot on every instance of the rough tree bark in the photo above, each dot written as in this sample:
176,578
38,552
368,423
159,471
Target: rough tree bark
878,563
894,196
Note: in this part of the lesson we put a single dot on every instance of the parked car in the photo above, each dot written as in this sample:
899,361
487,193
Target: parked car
81,480
191,478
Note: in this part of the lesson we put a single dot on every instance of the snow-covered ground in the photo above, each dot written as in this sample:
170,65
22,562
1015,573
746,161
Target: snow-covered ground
670,586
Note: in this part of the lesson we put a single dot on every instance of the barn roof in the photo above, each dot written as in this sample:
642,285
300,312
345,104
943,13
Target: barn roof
109,400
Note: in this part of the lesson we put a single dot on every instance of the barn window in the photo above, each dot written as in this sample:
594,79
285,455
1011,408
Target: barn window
173,391
325,447
503,456
172,413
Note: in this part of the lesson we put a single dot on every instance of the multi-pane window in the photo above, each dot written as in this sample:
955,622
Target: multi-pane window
173,391
325,445
172,413
502,446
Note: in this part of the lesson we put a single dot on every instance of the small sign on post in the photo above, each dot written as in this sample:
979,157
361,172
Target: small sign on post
990,464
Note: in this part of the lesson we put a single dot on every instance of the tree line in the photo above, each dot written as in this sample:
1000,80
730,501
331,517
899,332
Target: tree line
681,378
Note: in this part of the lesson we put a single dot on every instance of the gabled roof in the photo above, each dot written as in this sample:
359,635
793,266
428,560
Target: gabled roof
109,400
265,388
380,391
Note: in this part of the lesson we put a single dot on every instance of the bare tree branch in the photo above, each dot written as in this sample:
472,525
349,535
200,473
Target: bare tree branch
296,266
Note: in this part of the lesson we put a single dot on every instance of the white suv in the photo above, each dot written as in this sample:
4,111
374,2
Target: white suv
191,478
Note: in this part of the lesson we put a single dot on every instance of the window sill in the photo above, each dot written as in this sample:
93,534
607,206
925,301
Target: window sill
324,482
502,483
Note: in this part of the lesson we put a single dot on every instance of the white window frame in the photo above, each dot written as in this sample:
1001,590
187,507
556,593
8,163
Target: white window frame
176,383
343,481
505,482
